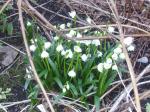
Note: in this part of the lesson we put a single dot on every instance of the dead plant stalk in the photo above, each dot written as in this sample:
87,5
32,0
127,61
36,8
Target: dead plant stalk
30,57
129,64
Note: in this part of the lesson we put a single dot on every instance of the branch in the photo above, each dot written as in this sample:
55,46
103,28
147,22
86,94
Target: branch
129,64
30,57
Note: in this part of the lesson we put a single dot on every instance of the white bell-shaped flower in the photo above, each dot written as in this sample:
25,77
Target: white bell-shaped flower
62,26
114,67
72,14
131,48
122,56
100,67
89,20
96,42
111,29
47,45
77,49
128,41
32,48
115,56
84,57
59,48
69,54
44,54
71,73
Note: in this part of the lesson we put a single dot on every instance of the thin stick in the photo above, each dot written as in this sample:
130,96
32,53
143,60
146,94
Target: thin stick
30,57
105,26
12,47
129,64
129,87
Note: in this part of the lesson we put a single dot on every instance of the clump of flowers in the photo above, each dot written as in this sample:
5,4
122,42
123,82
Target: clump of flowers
80,67
128,41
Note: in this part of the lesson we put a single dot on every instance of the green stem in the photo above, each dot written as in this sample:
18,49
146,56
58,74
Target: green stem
70,65
47,63
77,61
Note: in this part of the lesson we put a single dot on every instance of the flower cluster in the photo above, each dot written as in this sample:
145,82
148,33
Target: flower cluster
128,41
74,66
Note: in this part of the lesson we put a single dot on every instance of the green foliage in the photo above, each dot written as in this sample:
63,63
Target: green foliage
5,25
73,68
4,93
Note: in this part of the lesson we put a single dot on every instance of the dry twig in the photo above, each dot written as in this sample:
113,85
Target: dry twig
129,64
30,57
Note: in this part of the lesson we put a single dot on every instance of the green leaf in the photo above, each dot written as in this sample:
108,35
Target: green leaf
87,69
4,24
9,28
44,73
58,82
54,68
109,81
27,82
74,90
97,103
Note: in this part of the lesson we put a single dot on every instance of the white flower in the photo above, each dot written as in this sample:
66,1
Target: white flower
64,90
72,73
108,63
29,23
38,27
96,42
86,42
72,14
62,26
77,49
131,48
114,67
115,56
100,67
118,50
56,38
99,54
63,52
89,20
67,86
44,54
71,33
55,26
107,66
79,35
28,72
32,47
111,29
128,40
143,60
47,45
122,56
59,48
41,108
69,25
69,54
84,57
85,31
33,41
